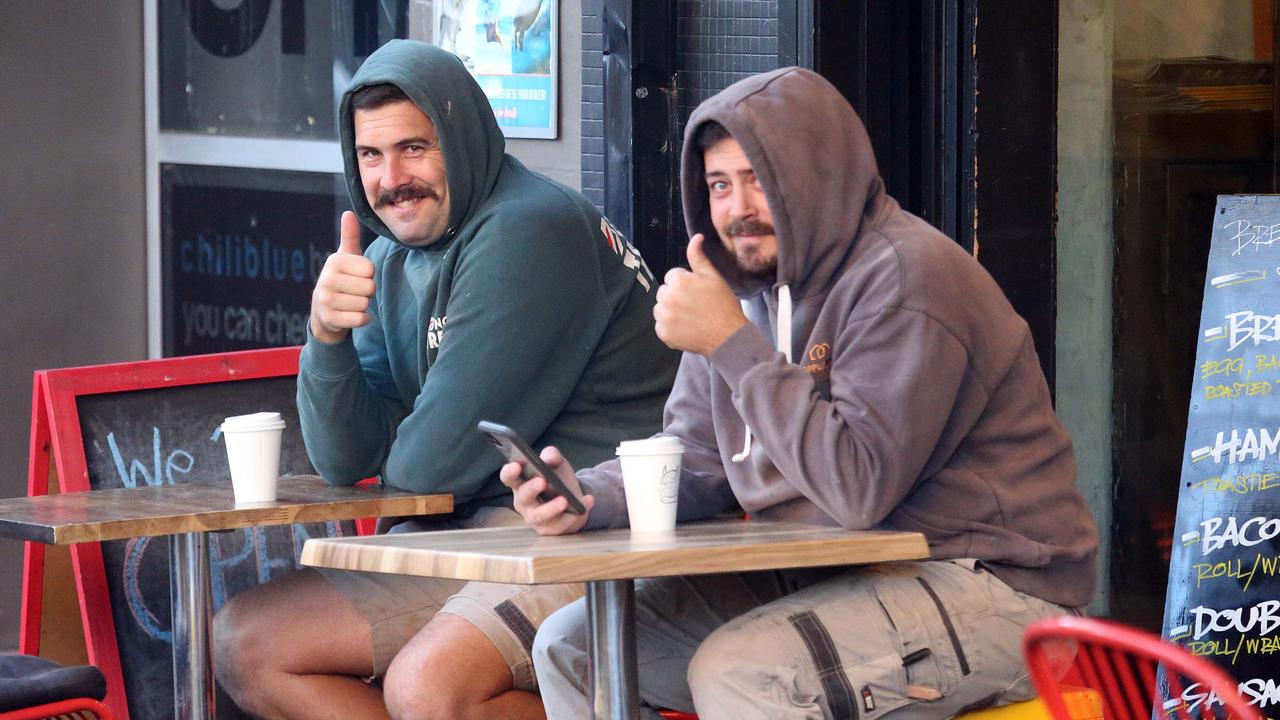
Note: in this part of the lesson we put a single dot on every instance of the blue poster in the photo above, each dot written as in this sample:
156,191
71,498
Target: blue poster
510,46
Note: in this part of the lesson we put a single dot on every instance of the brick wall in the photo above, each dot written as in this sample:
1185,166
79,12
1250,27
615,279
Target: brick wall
719,42
592,103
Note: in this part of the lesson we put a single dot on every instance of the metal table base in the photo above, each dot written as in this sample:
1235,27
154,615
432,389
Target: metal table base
613,679
193,688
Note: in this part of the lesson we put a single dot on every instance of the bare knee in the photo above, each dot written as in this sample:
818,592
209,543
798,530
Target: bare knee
422,692
240,654
271,630
448,671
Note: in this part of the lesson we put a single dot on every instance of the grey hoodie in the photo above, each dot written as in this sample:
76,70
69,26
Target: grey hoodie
884,381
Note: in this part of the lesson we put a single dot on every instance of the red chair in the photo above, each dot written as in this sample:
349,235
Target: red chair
77,709
36,688
1124,665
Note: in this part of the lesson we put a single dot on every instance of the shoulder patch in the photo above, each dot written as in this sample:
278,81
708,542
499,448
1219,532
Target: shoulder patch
617,242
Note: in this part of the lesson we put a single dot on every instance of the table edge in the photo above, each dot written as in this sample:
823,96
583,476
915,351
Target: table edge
897,546
236,518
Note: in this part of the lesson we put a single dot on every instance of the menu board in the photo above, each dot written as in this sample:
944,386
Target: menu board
1224,576
166,436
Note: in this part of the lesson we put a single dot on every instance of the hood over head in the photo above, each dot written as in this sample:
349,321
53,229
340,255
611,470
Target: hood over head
813,158
439,84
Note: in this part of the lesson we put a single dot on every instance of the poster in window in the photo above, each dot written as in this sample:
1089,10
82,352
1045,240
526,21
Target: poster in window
511,47
266,68
240,252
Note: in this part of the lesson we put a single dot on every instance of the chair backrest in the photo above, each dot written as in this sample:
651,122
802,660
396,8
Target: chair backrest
1138,675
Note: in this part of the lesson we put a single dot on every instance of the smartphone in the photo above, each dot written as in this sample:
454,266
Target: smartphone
513,447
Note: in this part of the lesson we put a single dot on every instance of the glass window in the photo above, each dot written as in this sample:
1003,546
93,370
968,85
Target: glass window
1163,106
267,69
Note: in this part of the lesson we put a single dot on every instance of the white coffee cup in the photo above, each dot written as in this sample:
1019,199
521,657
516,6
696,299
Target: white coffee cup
651,479
253,452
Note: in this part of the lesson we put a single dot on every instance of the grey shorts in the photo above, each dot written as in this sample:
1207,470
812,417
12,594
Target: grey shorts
398,606
904,641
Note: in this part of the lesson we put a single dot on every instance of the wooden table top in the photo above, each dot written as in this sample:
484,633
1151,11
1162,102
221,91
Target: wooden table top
518,555
167,509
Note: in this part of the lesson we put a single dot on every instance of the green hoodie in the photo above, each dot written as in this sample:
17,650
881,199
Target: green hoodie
530,311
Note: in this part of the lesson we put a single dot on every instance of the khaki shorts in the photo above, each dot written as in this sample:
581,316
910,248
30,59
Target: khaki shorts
837,643
398,606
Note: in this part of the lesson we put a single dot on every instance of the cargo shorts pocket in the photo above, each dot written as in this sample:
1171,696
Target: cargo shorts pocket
930,643
864,689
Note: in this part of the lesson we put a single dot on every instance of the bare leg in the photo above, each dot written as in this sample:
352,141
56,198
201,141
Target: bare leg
295,648
452,670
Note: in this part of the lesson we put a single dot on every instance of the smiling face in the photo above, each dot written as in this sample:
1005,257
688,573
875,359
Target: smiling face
402,171
739,210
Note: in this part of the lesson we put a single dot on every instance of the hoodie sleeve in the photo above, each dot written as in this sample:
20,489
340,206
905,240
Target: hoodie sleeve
704,489
895,378
347,423
525,312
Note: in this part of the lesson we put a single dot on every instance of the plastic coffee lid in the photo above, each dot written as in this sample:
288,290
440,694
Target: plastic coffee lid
253,421
659,445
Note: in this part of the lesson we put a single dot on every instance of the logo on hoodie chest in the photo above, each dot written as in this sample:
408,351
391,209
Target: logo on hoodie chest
818,361
435,331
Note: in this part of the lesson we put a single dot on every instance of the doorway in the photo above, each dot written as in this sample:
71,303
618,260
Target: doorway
1193,95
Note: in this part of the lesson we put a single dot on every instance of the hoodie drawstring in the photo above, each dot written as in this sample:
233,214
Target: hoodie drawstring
783,344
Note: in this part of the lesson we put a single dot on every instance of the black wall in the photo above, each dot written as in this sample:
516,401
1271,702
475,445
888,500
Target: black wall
718,42
944,88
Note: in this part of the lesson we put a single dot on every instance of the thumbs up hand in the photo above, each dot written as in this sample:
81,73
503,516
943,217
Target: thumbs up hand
341,298
349,235
698,261
696,310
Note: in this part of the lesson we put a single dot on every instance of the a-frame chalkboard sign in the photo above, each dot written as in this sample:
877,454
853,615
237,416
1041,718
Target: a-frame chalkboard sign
155,422
1223,600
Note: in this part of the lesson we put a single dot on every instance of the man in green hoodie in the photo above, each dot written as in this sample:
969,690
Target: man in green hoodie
491,293
845,364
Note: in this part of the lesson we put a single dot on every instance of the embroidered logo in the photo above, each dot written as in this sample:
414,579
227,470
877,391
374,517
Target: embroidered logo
818,360
435,331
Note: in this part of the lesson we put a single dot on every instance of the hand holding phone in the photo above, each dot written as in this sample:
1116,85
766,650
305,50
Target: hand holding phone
514,448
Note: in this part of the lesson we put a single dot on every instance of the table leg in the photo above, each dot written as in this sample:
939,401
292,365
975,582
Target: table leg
190,598
613,680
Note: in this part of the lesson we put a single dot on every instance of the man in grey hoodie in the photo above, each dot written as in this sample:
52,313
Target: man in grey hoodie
874,376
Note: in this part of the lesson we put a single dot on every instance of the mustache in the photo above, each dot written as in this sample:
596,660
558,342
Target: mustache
748,227
411,191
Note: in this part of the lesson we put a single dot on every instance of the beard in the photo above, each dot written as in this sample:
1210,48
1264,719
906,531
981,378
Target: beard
752,263
757,267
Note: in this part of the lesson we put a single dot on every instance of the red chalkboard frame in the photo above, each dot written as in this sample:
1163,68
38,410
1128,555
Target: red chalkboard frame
56,436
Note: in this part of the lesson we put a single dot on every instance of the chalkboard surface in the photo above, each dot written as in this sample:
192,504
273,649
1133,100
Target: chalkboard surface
170,435
1224,577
